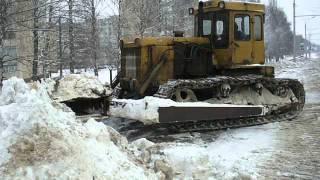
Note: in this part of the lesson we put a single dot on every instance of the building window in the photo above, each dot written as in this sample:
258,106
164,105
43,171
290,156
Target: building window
10,35
10,68
9,52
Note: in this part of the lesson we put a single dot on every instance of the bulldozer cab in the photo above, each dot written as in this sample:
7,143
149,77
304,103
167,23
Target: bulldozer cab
235,30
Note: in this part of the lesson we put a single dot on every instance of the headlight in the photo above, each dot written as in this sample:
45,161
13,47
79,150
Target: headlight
221,5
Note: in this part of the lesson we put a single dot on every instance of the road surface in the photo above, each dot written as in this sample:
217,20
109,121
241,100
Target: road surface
297,152
286,150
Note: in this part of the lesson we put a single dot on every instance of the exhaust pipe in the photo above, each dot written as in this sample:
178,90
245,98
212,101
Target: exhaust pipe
200,19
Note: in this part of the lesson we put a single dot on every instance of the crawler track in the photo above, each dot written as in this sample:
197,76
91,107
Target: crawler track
284,113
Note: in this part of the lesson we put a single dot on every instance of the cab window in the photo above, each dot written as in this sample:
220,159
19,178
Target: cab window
258,28
214,26
242,27
221,31
207,27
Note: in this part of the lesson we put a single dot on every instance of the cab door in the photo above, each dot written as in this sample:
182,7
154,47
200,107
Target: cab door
241,38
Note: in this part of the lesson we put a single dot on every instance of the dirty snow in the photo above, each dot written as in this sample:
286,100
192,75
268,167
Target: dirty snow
78,86
247,95
103,77
39,140
146,109
235,154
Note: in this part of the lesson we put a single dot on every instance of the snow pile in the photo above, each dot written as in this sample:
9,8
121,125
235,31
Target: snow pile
146,109
79,86
38,140
236,154
103,75
314,56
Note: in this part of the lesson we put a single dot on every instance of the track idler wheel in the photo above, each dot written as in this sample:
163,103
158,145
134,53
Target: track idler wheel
258,87
282,91
225,90
185,95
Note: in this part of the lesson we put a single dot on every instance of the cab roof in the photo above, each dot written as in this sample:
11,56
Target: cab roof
214,5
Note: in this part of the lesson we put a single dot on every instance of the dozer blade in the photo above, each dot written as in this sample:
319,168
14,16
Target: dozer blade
187,114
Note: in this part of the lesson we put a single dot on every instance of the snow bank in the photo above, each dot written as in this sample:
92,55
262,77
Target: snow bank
79,86
146,109
306,71
38,140
103,77
315,55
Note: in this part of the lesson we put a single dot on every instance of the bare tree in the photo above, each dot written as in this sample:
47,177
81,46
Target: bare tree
94,34
90,15
35,7
120,23
140,10
278,35
4,11
71,35
5,5
48,38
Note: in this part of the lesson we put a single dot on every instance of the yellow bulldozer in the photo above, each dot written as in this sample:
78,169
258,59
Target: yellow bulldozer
222,64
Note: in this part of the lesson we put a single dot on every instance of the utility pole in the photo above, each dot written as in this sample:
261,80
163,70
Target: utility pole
306,43
71,36
35,39
294,30
310,46
119,34
60,47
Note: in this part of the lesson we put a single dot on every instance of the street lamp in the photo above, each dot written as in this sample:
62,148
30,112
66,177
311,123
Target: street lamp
294,30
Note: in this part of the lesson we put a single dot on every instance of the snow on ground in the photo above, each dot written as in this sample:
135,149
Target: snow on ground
235,154
41,139
315,56
297,69
288,68
239,153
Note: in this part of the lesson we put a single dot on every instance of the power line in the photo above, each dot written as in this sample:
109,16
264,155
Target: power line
310,15
314,33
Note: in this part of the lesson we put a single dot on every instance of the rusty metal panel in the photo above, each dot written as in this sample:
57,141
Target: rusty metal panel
185,114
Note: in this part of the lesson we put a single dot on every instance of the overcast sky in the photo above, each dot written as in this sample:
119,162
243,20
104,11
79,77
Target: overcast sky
304,7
